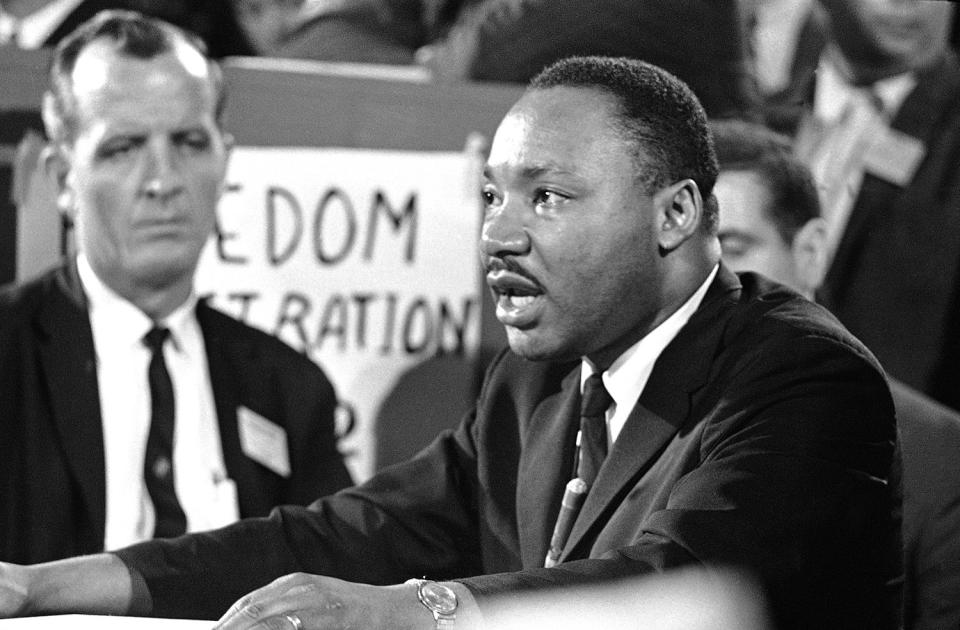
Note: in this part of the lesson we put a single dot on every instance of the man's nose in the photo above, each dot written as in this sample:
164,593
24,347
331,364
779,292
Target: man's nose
162,177
505,231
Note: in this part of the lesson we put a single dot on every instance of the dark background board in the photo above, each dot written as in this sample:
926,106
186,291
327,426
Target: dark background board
274,102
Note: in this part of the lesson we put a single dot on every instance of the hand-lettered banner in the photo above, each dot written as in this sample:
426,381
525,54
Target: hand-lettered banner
366,260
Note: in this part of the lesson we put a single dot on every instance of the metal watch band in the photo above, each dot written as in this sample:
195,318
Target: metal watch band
444,614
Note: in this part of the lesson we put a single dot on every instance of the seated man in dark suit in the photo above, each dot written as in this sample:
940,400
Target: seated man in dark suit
722,420
107,439
770,223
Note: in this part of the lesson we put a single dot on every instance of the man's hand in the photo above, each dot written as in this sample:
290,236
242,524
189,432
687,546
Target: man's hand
13,590
311,602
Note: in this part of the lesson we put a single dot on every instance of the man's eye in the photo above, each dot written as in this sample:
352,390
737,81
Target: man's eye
194,141
115,149
547,197
488,196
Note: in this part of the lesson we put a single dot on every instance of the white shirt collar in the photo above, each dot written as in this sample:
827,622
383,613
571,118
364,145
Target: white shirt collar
34,29
127,323
834,91
628,374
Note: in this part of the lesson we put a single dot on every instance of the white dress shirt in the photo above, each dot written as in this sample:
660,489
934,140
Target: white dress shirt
207,496
628,374
834,92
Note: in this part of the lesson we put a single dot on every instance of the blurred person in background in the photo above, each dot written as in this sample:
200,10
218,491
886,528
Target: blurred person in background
267,23
785,39
34,24
130,408
360,31
882,138
43,23
700,41
770,223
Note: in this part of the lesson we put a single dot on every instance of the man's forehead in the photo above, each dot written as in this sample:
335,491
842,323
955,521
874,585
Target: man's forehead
560,106
169,88
100,65
553,129
744,198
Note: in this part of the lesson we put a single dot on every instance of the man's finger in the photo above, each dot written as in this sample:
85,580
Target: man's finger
257,605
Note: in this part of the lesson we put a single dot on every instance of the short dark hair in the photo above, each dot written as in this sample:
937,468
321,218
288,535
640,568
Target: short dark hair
133,34
745,146
657,111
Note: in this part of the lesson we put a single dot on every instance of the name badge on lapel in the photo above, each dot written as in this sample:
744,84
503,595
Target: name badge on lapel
263,441
894,156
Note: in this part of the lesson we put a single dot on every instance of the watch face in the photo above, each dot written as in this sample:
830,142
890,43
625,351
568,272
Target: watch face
439,598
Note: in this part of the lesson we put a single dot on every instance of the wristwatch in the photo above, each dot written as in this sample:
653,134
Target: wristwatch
439,600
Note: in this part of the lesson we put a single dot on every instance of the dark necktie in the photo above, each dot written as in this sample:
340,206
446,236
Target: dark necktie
593,428
158,463
591,451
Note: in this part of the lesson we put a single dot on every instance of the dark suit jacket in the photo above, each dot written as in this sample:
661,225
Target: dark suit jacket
52,484
763,440
930,443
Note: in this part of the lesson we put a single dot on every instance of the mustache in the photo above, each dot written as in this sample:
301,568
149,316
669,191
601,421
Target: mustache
510,265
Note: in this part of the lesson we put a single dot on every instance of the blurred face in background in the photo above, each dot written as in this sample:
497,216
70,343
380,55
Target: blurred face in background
748,239
751,240
881,38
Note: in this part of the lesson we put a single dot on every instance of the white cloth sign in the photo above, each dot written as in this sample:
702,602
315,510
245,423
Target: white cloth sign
367,260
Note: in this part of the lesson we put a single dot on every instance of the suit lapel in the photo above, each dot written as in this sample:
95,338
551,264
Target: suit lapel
545,468
224,355
663,408
68,361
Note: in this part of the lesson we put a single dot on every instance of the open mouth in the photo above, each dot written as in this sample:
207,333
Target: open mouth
517,297
513,300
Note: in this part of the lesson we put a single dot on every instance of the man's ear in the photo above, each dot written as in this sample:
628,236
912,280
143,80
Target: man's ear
679,208
228,144
56,168
810,257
